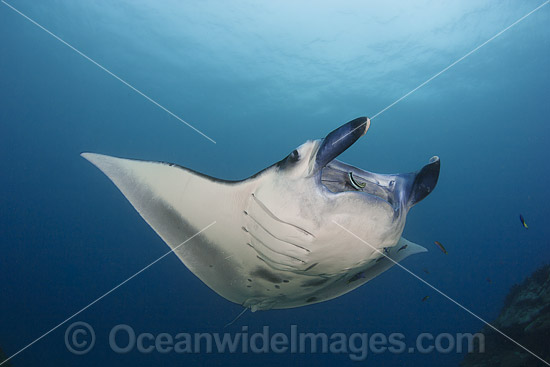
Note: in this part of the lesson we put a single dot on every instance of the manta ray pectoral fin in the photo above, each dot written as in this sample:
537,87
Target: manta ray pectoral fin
177,203
383,261
409,248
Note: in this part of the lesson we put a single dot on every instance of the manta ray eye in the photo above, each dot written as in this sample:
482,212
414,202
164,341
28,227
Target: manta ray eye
294,156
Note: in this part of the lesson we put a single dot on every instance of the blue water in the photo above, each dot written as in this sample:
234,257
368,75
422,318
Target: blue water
260,78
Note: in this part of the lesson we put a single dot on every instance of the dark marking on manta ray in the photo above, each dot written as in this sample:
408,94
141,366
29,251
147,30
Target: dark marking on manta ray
277,286
311,299
266,275
311,266
314,282
357,276
248,286
244,229
249,279
260,259
285,280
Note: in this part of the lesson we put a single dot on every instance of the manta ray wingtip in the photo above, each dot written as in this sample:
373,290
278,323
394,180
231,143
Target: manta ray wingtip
88,155
93,158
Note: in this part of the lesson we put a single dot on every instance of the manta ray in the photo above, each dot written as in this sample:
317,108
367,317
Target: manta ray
304,230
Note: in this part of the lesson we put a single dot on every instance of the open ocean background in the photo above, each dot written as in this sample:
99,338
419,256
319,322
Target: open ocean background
261,78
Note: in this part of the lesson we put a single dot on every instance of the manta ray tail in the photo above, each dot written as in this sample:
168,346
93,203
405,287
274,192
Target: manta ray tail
236,318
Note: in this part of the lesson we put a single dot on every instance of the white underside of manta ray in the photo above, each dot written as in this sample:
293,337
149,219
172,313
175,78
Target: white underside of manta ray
278,240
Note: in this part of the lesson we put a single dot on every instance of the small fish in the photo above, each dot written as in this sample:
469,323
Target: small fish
356,185
523,221
402,248
425,298
441,247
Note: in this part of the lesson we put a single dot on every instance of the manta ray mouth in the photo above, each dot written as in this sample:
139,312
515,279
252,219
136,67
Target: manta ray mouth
398,190
340,177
